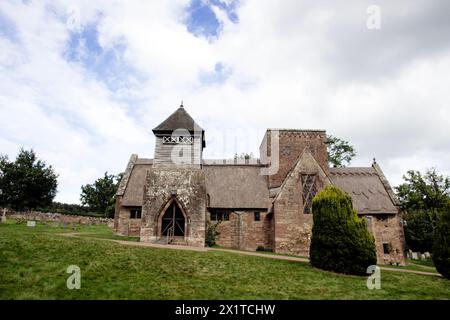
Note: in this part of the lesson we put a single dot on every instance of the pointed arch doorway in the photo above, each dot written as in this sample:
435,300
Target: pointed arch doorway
173,222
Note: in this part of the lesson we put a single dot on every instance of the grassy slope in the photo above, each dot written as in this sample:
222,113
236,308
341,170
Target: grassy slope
33,265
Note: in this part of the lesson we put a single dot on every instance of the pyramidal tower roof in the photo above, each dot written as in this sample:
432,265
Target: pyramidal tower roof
180,119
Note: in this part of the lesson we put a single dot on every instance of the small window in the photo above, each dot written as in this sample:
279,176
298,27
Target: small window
369,223
257,216
309,191
386,248
220,216
135,213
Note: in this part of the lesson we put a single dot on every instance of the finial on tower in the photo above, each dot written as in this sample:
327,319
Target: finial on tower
181,105
374,160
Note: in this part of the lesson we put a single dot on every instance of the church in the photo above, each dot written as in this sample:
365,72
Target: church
256,204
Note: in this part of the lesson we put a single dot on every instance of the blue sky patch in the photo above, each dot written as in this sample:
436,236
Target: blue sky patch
202,20
106,63
218,76
8,29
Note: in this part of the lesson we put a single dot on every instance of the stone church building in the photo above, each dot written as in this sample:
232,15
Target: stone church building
258,204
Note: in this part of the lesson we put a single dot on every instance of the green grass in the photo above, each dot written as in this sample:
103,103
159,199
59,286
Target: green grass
33,263
109,237
55,227
425,263
413,268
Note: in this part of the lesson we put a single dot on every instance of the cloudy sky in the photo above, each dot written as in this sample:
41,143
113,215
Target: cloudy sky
84,82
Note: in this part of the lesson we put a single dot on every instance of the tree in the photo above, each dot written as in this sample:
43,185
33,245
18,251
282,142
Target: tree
244,156
26,183
340,152
422,197
441,246
99,196
340,240
429,191
67,208
419,229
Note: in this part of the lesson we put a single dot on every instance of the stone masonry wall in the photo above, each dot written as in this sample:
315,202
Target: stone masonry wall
185,186
292,143
241,231
57,217
387,229
293,227
123,225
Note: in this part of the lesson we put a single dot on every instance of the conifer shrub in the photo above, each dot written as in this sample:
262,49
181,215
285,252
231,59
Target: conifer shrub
340,240
211,233
441,245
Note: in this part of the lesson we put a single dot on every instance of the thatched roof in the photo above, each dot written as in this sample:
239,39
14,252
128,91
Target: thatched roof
366,188
241,186
134,192
180,119
236,186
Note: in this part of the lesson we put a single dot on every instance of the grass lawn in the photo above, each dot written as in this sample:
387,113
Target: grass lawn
33,263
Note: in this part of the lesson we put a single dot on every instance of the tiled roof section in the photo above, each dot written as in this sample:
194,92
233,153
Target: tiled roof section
236,187
366,188
180,119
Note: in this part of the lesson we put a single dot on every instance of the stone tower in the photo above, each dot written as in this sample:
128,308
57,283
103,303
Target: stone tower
282,148
174,204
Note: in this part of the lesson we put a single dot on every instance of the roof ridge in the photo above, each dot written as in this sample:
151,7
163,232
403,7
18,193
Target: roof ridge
179,119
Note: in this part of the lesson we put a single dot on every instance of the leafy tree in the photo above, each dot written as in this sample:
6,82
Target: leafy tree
26,183
99,196
340,240
244,156
340,152
429,191
422,197
441,247
68,208
419,229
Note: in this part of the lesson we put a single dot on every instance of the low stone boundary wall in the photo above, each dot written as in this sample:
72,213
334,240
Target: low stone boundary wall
57,217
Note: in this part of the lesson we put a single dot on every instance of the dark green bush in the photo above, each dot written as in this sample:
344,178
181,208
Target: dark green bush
441,246
340,240
211,233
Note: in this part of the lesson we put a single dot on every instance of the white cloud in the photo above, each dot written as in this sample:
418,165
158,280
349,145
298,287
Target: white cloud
298,64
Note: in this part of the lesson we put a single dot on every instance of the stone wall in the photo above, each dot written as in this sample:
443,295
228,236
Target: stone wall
123,225
57,217
292,227
185,186
241,231
291,145
388,230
